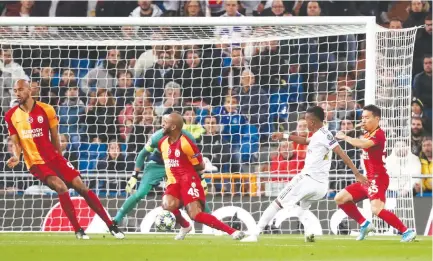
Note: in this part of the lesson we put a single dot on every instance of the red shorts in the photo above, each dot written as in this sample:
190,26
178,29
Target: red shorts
376,190
58,166
187,190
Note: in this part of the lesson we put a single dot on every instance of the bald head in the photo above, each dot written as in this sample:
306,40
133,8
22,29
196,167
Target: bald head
177,120
23,91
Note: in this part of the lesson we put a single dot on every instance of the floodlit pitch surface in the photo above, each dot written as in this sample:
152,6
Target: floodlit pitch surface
64,247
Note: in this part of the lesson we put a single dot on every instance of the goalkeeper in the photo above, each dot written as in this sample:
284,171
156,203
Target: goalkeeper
153,174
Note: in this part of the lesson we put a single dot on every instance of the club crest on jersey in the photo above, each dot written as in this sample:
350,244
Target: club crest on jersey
329,136
40,119
30,119
177,153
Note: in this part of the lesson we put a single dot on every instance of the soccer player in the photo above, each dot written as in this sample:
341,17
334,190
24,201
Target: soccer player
373,154
183,160
30,125
154,173
312,183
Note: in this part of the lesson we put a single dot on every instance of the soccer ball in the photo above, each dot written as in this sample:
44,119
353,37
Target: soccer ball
165,221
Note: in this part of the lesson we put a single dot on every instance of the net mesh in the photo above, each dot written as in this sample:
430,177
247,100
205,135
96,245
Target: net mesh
234,86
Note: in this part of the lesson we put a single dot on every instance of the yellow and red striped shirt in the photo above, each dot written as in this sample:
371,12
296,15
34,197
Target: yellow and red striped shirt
33,130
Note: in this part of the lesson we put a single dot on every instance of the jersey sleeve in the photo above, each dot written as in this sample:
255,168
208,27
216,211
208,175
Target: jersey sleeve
378,139
53,121
329,141
11,128
153,142
190,149
189,135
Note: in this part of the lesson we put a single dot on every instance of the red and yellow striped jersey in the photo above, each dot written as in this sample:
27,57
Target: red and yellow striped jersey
180,157
33,130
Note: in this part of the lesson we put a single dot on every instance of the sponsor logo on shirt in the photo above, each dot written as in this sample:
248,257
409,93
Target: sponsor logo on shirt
32,133
171,163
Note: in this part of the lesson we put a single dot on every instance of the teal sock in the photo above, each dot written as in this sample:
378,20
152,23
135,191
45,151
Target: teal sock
132,202
207,208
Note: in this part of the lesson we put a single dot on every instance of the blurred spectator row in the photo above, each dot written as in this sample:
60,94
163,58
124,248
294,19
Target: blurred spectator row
110,100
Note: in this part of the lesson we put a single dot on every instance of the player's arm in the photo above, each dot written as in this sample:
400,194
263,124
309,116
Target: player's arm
15,159
55,139
359,177
297,139
194,155
359,143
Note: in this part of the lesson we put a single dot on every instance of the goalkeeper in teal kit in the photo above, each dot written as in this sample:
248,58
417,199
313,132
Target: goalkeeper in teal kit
153,174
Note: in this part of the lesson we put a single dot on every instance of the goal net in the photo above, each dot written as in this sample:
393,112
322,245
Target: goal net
234,81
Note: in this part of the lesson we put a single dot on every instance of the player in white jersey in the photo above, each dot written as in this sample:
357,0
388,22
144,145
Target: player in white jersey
312,183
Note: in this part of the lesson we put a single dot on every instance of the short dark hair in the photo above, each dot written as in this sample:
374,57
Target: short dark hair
426,138
428,17
210,116
427,56
318,112
374,110
189,108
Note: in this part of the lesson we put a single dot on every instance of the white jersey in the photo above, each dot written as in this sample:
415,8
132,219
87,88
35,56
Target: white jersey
318,159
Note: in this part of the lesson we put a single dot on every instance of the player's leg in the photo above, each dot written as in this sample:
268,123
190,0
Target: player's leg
378,209
153,174
346,198
65,169
171,202
48,176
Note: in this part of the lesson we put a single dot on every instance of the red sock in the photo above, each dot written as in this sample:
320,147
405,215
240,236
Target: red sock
213,222
180,219
95,204
392,220
352,211
68,207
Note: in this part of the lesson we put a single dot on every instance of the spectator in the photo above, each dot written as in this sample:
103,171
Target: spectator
146,60
237,131
35,89
172,99
10,72
100,118
132,114
146,9
59,93
313,9
418,10
214,8
346,105
426,163
423,45
193,9
104,75
395,23
156,77
401,161
68,75
231,10
331,121
286,161
69,154
238,64
70,111
214,148
269,66
253,102
422,86
417,111
189,117
417,134
277,9
136,134
49,88
124,91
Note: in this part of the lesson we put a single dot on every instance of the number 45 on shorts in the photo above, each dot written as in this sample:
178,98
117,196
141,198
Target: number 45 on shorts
193,191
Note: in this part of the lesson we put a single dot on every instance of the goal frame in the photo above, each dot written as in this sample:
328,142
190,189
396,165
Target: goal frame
368,21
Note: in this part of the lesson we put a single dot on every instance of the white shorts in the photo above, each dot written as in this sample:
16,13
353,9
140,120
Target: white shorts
302,188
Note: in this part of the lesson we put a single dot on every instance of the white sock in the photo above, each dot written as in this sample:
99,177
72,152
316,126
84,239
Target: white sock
267,216
303,217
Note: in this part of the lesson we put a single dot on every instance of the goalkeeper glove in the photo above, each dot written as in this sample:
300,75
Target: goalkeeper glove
204,185
132,182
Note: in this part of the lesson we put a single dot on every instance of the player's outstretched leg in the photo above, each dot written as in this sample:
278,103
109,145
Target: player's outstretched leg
266,217
95,204
172,204
377,208
344,200
132,201
56,184
195,213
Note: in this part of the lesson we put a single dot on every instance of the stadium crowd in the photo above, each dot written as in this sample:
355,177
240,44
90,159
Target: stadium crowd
110,100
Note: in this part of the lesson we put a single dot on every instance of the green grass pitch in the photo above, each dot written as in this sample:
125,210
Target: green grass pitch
64,247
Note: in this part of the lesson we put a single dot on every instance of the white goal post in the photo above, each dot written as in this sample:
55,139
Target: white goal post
338,63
